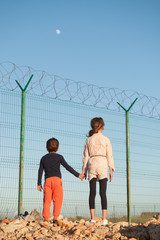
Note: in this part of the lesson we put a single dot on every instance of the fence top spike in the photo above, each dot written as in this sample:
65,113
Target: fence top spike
19,85
132,104
122,107
127,110
28,82
24,89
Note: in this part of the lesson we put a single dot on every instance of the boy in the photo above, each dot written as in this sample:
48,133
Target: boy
53,189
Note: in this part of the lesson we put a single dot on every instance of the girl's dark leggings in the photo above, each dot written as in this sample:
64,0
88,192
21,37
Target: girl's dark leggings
102,193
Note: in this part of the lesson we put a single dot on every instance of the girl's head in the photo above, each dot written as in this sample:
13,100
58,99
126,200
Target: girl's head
96,125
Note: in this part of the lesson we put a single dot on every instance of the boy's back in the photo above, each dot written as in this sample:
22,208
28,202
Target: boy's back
50,163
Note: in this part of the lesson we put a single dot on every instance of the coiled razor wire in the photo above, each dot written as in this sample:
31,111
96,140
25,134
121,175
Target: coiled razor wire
56,87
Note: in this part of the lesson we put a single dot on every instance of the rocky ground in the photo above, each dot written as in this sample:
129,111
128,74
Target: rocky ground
32,226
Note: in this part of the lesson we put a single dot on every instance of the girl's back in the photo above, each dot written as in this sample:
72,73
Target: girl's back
97,144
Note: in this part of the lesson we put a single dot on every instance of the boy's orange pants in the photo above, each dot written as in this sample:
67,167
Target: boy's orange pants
53,190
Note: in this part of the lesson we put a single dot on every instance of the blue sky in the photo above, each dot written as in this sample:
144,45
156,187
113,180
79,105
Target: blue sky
113,44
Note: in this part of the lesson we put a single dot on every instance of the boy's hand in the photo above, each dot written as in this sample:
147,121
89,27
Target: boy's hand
81,176
39,188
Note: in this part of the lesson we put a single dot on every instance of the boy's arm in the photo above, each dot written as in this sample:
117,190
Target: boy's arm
70,169
40,172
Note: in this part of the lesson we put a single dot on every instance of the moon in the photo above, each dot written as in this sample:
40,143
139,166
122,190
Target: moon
58,31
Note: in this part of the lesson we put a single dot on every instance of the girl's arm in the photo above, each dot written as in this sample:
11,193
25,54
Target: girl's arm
110,156
85,159
110,174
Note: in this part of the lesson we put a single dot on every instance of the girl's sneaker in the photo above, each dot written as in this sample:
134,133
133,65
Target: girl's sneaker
92,221
104,222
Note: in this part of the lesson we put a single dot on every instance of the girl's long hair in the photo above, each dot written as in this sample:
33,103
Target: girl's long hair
96,125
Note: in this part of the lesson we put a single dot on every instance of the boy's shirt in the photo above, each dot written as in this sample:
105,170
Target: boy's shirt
50,163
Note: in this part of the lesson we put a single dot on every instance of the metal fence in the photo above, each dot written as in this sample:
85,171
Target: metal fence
69,121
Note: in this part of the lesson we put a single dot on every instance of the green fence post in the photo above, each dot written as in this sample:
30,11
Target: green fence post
114,212
154,209
76,211
128,159
134,209
20,193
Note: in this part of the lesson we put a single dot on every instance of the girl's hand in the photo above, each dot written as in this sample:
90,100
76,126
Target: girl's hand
39,188
110,175
81,176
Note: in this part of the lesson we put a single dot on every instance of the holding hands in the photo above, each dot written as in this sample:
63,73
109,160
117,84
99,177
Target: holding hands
81,176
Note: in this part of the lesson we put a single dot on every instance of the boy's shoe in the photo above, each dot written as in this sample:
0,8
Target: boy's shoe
45,220
54,221
92,221
104,222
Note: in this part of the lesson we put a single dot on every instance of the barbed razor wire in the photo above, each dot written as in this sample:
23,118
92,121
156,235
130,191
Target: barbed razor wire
56,87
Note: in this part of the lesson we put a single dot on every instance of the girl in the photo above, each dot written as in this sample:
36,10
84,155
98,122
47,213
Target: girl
97,156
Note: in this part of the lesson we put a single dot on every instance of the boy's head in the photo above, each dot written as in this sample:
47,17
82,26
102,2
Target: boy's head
52,145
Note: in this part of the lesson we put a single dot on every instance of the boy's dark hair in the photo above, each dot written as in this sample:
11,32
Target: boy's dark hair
52,145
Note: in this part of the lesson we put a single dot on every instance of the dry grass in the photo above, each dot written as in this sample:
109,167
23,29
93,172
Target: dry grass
144,217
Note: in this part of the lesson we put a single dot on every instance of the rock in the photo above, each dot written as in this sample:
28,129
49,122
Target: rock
28,235
69,225
98,219
77,231
25,213
100,231
143,235
116,236
158,217
124,238
34,216
154,231
55,229
60,217
116,227
82,221
6,221
14,225
61,223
